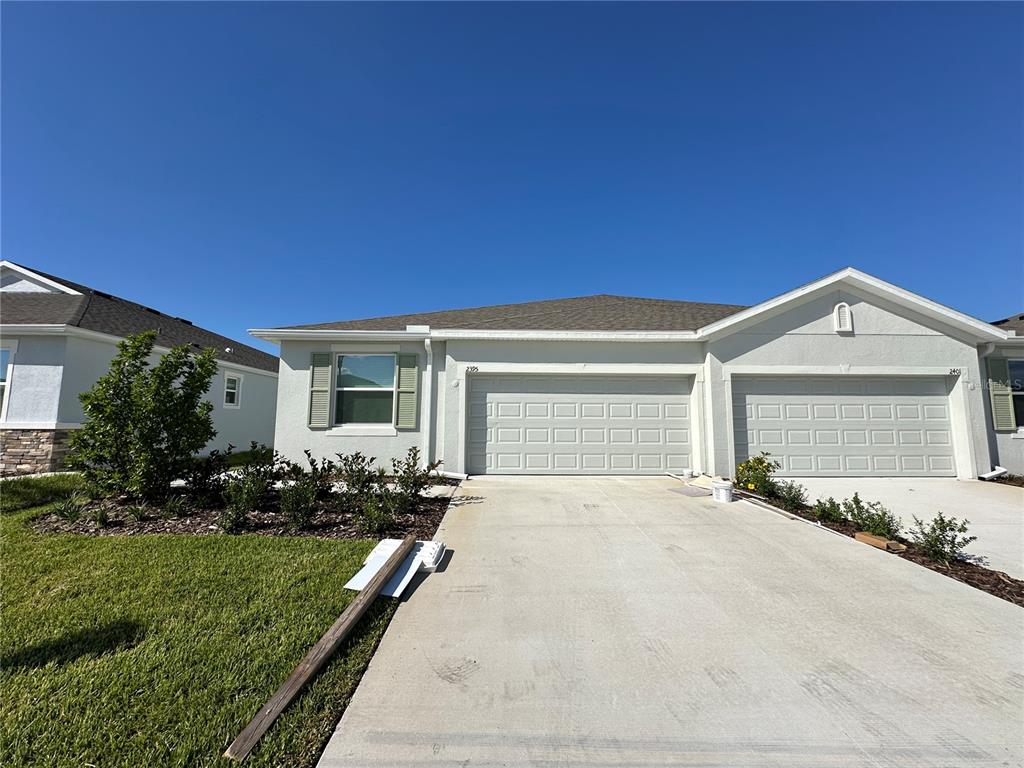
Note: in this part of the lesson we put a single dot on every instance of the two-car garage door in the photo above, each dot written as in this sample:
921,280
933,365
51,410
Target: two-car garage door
884,427
526,424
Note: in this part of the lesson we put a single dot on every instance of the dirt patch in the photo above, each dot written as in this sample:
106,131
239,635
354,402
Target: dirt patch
1017,480
327,523
978,576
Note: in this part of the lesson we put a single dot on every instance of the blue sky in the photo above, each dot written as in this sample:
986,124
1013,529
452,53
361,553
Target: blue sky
254,164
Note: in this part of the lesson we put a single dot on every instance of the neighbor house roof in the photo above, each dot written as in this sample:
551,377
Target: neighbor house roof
95,310
1011,323
585,313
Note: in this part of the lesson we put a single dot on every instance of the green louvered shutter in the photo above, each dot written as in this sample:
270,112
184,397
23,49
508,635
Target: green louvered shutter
320,390
406,384
1000,395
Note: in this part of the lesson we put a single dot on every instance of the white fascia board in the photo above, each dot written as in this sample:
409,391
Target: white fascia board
37,277
278,335
85,333
866,282
632,336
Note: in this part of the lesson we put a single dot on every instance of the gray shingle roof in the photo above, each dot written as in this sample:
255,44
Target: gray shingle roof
101,312
585,313
1012,323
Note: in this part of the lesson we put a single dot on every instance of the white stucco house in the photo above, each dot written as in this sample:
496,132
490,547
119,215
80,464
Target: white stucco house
58,337
847,375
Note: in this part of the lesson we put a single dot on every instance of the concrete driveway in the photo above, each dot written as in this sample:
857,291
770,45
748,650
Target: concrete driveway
615,622
996,511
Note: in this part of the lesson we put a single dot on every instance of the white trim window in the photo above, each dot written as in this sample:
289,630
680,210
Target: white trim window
1016,371
364,389
7,350
232,390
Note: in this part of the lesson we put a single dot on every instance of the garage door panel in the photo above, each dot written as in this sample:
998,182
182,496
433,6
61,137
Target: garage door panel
581,424
860,426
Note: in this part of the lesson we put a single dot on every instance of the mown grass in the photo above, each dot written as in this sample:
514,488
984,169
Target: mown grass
24,492
157,650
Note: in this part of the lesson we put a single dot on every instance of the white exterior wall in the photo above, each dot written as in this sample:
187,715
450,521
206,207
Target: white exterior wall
884,342
33,390
51,371
1007,448
293,434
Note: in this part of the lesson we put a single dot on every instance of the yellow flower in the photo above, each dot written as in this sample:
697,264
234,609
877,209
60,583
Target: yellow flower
750,486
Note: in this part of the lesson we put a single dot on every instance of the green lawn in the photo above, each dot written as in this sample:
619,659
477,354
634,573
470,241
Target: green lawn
24,492
157,650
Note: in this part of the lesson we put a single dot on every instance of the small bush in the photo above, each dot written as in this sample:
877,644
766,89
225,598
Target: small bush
828,511
298,502
411,479
791,493
260,471
376,513
175,506
321,475
100,515
359,478
205,478
138,512
871,517
942,539
70,509
243,495
755,474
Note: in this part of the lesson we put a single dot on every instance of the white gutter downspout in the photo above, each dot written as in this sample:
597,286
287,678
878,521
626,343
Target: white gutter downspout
428,411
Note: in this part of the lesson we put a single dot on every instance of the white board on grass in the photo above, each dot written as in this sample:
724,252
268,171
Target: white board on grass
425,555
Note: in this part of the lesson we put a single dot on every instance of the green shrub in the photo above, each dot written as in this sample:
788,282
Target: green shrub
175,506
790,493
70,509
100,515
321,475
942,539
755,474
828,511
243,494
376,513
298,502
24,492
871,517
359,479
144,423
205,478
411,479
138,512
263,467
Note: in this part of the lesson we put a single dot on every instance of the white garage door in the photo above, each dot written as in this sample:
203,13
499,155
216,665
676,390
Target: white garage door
846,425
559,425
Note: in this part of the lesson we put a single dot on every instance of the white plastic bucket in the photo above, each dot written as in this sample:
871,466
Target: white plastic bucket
721,490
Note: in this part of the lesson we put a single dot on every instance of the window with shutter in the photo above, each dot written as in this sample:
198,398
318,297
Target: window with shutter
1001,394
320,390
407,391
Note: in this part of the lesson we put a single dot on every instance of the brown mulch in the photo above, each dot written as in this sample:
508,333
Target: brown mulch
978,576
327,523
1017,480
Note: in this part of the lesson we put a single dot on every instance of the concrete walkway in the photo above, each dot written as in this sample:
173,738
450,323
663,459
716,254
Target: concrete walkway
615,622
995,511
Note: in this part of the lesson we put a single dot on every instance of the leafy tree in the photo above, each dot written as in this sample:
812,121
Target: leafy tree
144,423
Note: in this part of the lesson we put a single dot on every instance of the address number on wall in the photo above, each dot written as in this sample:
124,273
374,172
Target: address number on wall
954,371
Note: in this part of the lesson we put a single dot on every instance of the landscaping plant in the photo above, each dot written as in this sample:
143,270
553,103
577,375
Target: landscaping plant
755,474
790,493
138,512
206,477
376,513
411,479
321,475
942,539
143,423
100,515
175,506
244,494
828,511
298,502
358,477
70,509
871,517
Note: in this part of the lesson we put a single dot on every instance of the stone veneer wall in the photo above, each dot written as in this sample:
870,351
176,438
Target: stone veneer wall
27,451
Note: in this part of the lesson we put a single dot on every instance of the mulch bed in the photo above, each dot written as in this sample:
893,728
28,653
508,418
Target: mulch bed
978,576
327,524
1017,480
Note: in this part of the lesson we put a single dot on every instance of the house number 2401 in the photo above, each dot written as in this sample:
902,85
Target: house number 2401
954,371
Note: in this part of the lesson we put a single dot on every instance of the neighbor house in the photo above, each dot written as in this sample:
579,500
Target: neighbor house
58,337
848,375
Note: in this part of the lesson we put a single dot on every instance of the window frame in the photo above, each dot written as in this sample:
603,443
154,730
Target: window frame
336,423
12,348
238,390
1016,395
